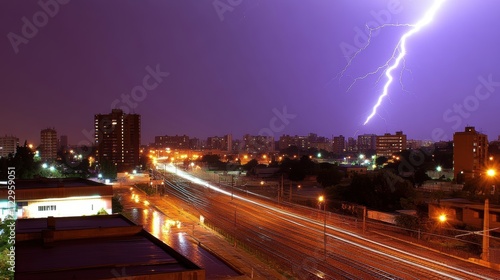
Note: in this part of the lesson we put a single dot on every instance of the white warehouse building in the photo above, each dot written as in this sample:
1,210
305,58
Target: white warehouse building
44,197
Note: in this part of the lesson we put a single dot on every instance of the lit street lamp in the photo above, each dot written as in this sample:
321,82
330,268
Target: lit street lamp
486,221
442,218
322,200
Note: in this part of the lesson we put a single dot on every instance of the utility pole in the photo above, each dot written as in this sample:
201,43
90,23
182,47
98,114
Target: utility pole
232,191
281,187
486,231
364,219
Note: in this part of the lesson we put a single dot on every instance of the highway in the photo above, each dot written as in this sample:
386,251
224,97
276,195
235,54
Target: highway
299,242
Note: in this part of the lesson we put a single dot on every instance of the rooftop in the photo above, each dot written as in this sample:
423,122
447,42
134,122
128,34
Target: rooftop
95,247
53,188
53,183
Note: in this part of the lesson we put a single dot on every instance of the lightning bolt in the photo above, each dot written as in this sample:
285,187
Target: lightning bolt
398,53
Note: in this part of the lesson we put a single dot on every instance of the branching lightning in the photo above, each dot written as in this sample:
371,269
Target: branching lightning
398,55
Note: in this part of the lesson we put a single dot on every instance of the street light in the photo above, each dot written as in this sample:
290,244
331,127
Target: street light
321,199
486,221
442,218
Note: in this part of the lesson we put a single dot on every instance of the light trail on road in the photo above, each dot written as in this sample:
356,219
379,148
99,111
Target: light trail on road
308,224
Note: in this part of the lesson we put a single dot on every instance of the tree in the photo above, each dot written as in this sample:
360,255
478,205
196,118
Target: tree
297,172
250,165
329,176
23,161
5,273
108,169
213,162
290,150
379,161
421,176
4,165
116,205
411,223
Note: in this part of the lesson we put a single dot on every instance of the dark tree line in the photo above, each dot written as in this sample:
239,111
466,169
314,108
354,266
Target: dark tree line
23,161
382,191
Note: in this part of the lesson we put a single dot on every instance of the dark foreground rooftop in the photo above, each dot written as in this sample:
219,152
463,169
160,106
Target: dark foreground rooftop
95,247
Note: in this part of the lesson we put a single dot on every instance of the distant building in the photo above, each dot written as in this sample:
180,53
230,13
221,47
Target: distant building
463,212
258,144
338,145
352,170
470,153
224,143
195,144
414,144
237,145
40,198
367,143
352,145
442,153
117,138
172,142
301,142
390,144
63,142
8,145
323,143
48,144
96,247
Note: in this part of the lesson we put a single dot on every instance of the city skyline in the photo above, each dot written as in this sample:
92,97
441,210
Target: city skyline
257,68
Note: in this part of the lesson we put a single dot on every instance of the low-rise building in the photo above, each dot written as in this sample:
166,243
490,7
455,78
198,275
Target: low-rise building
464,212
352,170
56,197
389,144
8,145
95,247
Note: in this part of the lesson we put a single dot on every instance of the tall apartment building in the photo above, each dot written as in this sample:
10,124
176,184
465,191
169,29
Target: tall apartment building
470,152
8,145
390,144
48,144
117,139
367,143
338,145
258,144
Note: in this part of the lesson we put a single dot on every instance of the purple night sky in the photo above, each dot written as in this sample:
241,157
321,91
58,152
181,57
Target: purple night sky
229,70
